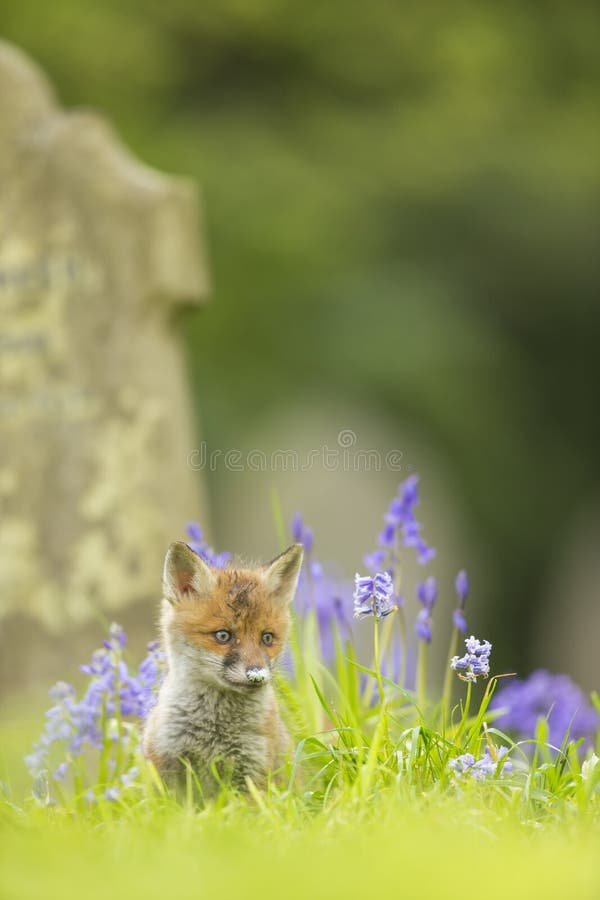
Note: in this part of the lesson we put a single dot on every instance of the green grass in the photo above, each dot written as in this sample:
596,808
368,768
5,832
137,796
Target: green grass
431,847
367,807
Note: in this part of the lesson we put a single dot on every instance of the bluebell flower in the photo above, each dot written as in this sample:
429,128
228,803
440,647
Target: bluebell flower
396,513
462,590
117,638
200,546
373,595
315,568
113,792
61,772
409,492
486,766
459,620
387,537
427,592
544,695
130,776
411,533
61,691
427,596
333,619
425,554
462,587
401,526
475,662
195,532
75,725
301,533
374,561
423,625
319,593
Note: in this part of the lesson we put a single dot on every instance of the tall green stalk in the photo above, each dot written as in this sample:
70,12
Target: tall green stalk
465,714
376,658
400,611
447,692
422,674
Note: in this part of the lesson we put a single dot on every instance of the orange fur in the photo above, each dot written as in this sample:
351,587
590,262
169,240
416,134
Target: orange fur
240,603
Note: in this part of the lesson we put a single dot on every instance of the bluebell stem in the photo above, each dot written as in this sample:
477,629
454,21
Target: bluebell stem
401,528
427,595
374,596
459,622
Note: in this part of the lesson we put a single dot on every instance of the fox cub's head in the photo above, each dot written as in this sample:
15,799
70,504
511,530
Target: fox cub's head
229,625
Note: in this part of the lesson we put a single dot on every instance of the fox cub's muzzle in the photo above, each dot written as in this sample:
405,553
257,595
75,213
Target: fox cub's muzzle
257,675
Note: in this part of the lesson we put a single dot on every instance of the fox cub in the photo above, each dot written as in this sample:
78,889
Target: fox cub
223,631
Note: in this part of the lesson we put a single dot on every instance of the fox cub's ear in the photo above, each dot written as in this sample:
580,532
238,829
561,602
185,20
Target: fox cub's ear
281,575
185,574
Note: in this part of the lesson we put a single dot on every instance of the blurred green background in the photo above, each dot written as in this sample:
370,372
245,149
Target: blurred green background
402,216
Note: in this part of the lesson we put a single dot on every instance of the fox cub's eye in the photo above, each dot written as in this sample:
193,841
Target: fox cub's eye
268,638
222,636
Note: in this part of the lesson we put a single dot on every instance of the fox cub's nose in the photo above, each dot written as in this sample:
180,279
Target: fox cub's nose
257,675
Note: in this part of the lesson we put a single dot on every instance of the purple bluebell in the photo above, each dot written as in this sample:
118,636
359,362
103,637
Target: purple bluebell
375,560
117,638
427,592
322,595
426,595
425,553
486,766
76,724
462,590
128,778
301,533
402,527
475,662
411,533
387,537
408,492
373,595
544,695
459,620
423,625
61,772
462,587
195,532
333,621
150,675
396,513
113,792
315,568
200,546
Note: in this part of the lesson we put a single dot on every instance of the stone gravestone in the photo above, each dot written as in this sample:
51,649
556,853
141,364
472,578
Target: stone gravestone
97,252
